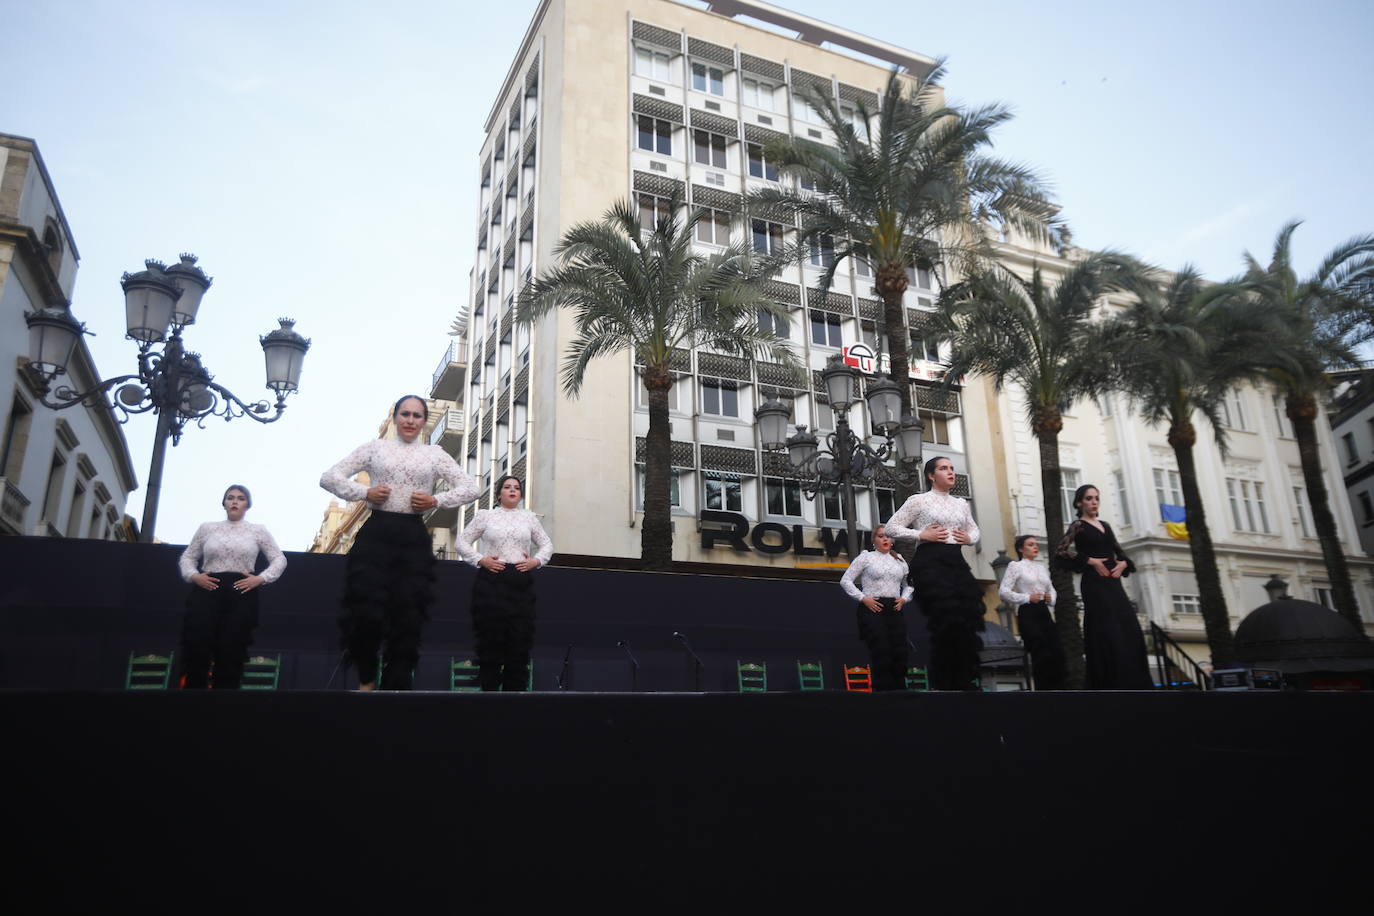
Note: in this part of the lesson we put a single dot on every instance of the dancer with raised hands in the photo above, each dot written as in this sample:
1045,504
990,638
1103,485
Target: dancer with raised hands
390,566
503,592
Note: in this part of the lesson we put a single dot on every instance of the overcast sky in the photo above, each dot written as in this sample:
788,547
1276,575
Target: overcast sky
321,159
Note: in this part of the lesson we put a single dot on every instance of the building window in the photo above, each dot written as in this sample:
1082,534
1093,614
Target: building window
760,94
919,347
825,329
868,333
1232,410
822,250
714,227
708,148
767,236
783,496
1068,483
57,471
1248,512
918,277
77,512
1281,421
722,492
708,79
1304,511
1104,406
1187,604
759,166
1366,507
803,110
1122,501
887,503
777,324
805,183
719,398
832,506
1352,454
16,439
852,116
642,394
674,488
652,209
1325,597
862,267
655,65
1168,490
655,136
934,427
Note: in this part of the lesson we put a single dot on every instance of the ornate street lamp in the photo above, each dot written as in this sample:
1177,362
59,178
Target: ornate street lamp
847,458
172,383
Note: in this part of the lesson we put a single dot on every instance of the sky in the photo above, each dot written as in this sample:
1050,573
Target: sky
322,161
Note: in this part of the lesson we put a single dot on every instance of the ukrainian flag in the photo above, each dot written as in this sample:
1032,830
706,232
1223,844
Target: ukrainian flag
1175,521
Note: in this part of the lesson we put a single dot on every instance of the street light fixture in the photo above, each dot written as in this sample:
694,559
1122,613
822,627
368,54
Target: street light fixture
846,458
172,383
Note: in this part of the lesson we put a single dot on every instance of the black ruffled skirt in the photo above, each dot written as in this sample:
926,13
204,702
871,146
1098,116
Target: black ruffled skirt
952,601
389,587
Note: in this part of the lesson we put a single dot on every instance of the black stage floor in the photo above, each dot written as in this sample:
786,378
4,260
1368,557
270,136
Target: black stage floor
332,802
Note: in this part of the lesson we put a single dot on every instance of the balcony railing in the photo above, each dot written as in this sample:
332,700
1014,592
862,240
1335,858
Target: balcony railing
13,505
447,383
448,431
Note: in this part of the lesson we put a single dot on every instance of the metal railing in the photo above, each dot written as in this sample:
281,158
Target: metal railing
450,356
1170,657
449,421
13,505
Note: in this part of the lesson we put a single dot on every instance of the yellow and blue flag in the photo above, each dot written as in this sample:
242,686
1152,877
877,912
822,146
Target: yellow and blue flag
1175,521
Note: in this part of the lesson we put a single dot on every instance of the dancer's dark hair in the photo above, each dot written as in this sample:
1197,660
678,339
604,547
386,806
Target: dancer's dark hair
930,466
1078,497
242,489
423,404
1019,543
501,482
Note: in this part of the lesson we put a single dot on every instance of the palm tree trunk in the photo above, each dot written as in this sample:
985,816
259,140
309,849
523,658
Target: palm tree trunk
1046,426
1302,410
890,283
656,534
1215,617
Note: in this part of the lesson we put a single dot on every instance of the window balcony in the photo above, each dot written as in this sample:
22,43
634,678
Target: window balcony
13,505
448,432
447,384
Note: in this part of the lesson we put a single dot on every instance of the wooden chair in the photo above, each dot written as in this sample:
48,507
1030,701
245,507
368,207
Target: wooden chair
261,672
463,675
752,678
917,679
810,676
858,679
149,672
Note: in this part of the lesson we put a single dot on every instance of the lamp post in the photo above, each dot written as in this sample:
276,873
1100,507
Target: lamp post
159,301
847,457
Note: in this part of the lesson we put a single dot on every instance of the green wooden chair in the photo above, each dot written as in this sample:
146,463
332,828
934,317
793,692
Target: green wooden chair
463,676
811,675
261,672
752,678
917,679
149,672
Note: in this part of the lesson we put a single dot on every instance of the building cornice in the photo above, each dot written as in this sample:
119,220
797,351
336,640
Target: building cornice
30,146
1260,555
513,73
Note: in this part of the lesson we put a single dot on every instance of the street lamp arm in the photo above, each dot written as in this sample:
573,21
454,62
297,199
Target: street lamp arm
64,396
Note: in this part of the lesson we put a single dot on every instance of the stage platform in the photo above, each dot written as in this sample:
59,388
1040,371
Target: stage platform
344,802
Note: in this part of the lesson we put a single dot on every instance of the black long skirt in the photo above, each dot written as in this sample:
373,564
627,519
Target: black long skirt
1112,641
503,627
390,585
1041,638
885,635
952,602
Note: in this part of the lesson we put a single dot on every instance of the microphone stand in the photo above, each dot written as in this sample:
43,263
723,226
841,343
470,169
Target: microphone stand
687,647
634,665
563,675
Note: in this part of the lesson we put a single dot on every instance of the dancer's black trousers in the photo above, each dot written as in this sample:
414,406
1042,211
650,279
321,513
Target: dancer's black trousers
885,635
217,631
1041,638
390,585
503,627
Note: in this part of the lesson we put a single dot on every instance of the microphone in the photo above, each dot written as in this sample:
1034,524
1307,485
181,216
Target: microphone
687,647
563,675
634,664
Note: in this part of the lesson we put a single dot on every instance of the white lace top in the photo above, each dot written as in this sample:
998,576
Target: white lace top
932,508
405,467
231,547
883,575
1023,577
507,534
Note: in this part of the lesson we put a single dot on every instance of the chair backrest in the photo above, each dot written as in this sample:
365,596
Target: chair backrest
752,677
810,676
261,672
463,675
858,678
917,679
148,672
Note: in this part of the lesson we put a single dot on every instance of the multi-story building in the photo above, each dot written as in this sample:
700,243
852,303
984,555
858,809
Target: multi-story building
642,100
63,473
1352,427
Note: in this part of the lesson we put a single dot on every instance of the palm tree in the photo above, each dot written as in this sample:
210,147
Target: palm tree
643,289
921,193
1179,349
1043,340
1325,318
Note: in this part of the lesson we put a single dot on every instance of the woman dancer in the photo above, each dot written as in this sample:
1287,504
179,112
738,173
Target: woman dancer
1027,584
1112,641
503,592
881,623
390,567
948,594
222,609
